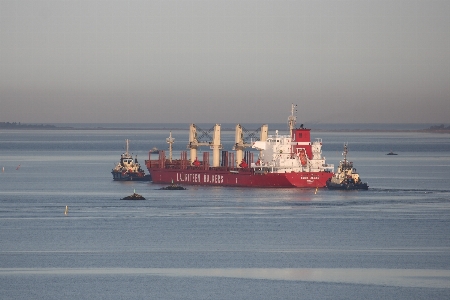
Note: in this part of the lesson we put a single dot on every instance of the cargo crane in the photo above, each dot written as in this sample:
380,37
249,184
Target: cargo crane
195,142
241,143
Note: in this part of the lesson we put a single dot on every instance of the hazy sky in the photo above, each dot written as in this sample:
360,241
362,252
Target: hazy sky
144,61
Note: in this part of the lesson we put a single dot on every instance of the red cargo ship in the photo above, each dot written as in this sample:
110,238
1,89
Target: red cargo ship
283,161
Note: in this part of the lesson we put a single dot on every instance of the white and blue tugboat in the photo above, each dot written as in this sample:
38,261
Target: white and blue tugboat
346,177
128,169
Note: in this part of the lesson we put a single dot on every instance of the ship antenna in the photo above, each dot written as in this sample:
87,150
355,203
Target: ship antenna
345,153
292,118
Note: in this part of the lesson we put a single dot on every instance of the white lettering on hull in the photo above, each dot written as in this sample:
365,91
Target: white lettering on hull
198,178
189,177
214,179
309,178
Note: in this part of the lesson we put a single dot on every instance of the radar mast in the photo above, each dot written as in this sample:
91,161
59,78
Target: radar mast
170,140
292,118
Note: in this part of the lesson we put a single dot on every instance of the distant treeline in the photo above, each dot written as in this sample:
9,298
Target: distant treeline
15,125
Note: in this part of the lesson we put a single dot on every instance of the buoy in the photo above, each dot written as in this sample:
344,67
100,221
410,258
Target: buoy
66,211
3,169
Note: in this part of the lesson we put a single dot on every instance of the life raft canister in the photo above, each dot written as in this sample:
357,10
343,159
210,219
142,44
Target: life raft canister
303,157
196,162
243,164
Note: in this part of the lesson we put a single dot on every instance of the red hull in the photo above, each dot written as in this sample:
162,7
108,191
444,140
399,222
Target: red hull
241,178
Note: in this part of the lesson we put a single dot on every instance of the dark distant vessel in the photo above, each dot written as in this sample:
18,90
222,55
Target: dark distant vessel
154,150
391,153
128,169
173,187
134,197
346,177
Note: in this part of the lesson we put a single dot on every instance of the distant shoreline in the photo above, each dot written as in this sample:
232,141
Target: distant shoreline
21,126
15,125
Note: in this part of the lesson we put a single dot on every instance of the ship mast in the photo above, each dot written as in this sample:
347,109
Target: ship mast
126,142
292,118
345,154
170,140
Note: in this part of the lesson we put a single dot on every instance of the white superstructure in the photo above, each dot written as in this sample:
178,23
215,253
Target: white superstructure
281,154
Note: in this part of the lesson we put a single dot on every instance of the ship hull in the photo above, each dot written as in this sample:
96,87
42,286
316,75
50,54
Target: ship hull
240,178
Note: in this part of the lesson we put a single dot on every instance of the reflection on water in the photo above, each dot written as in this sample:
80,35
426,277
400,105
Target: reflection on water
384,277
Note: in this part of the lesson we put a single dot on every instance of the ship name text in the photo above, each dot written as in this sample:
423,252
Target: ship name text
309,178
188,177
198,178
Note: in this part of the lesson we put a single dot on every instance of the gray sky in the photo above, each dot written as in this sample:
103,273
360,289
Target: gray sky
144,61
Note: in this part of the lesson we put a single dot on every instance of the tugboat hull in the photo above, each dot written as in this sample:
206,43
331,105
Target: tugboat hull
118,176
347,186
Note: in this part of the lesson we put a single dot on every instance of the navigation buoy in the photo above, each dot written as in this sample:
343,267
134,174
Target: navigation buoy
66,211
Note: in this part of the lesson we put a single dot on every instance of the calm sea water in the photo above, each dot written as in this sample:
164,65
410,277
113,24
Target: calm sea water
391,242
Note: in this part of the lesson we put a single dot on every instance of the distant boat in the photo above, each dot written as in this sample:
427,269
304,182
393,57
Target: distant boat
391,153
154,150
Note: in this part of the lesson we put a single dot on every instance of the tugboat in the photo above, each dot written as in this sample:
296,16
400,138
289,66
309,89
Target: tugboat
346,177
128,169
